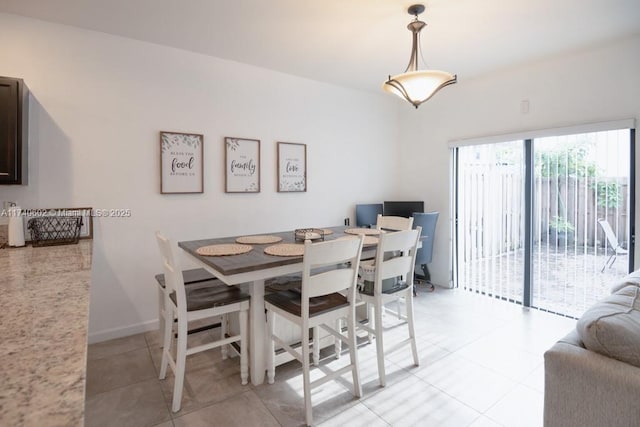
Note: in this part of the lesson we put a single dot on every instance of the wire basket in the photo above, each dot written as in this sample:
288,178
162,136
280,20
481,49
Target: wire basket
302,234
54,230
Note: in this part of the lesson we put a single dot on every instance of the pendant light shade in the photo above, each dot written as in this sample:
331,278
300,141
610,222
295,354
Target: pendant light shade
414,85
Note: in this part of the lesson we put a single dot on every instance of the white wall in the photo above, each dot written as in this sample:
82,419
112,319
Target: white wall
590,86
98,104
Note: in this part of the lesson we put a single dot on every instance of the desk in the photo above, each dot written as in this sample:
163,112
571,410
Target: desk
253,268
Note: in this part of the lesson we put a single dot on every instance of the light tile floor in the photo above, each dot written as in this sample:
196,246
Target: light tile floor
481,364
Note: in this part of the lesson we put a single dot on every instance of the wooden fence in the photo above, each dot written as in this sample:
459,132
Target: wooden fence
577,201
491,213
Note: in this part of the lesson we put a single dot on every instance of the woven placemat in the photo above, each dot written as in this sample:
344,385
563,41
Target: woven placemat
326,231
258,240
223,249
285,249
365,231
368,240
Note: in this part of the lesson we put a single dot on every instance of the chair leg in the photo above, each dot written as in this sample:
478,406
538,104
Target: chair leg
379,344
607,263
161,310
353,353
306,377
166,343
410,323
316,346
372,322
244,340
223,331
337,343
181,361
271,353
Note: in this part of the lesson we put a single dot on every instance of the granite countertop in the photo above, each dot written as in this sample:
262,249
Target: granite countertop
44,311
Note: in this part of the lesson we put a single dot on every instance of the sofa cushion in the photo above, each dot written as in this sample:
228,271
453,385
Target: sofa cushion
631,279
612,326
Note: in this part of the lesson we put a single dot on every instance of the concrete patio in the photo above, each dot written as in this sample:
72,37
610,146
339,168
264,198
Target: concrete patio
564,281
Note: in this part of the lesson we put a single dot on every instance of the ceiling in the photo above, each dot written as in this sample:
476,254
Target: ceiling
354,43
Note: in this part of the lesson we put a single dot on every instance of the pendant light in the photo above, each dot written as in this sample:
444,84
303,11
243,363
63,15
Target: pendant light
414,85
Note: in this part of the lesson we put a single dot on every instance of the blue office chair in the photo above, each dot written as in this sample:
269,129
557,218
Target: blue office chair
367,215
427,221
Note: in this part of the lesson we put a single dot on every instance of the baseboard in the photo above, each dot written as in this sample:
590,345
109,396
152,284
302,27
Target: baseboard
109,334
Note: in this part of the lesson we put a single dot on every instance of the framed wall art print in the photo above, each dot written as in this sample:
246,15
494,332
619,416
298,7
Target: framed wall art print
242,165
181,163
292,167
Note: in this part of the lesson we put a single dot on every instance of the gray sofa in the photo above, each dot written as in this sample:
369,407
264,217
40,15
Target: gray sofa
592,376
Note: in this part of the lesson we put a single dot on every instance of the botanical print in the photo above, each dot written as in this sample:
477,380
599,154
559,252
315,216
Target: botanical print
177,140
292,167
242,165
181,168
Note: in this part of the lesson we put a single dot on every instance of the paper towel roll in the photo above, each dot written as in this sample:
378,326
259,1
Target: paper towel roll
16,227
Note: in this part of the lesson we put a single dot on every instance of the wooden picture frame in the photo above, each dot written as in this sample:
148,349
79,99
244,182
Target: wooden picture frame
242,165
181,163
292,167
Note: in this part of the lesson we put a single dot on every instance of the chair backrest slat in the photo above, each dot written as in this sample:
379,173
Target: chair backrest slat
608,231
331,281
394,223
394,267
329,252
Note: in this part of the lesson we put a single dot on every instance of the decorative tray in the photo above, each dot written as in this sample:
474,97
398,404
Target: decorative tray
309,234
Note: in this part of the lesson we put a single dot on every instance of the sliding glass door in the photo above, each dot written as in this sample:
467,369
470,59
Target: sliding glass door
582,188
490,233
544,222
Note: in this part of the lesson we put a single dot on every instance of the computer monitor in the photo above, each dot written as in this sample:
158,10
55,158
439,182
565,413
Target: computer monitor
367,215
404,209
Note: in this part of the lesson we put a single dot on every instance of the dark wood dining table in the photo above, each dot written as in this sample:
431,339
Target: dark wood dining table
253,268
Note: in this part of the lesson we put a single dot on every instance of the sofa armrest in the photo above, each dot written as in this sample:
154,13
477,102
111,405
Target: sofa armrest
584,388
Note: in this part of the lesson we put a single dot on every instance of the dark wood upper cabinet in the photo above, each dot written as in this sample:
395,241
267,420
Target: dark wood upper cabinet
14,131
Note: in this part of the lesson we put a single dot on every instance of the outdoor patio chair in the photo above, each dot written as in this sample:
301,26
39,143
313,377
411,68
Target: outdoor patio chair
613,241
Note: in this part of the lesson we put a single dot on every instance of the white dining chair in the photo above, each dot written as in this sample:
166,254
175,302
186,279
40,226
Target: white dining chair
197,301
391,223
195,275
328,293
395,259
